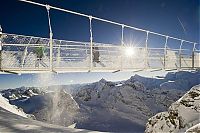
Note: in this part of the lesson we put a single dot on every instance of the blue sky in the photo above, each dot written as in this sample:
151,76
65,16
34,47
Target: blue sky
161,16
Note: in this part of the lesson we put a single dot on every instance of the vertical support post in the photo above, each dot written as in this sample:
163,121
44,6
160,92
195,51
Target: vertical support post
122,45
1,48
193,56
91,44
180,57
51,52
85,49
25,53
23,57
146,50
58,55
50,40
165,51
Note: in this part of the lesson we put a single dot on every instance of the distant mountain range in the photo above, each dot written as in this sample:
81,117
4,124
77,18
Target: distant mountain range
123,106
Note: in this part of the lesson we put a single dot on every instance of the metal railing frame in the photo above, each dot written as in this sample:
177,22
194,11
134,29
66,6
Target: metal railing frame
92,43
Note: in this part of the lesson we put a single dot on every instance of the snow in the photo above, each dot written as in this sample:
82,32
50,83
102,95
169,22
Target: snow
117,85
13,123
14,120
20,93
181,115
4,103
56,107
194,129
123,106
130,100
72,126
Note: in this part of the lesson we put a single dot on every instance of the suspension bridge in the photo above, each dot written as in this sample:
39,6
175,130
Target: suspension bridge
19,53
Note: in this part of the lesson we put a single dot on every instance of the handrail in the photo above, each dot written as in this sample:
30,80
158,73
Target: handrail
105,20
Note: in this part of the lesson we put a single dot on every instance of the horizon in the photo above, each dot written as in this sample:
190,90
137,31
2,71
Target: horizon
145,74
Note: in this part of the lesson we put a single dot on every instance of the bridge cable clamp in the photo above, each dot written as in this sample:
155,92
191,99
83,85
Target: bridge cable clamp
48,7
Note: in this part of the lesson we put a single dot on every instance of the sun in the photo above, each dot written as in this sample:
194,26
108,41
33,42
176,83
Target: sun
129,51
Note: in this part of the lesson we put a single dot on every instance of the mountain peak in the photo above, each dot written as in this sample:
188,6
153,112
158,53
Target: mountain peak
136,77
176,119
103,80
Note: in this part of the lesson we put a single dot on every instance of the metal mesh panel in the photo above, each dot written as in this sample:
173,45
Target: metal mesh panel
20,54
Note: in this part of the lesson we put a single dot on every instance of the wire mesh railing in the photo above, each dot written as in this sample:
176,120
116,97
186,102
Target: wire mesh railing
25,53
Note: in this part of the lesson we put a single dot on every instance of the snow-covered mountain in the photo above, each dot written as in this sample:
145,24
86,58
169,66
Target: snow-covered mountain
60,109
111,104
129,101
55,107
21,93
182,80
123,106
14,120
182,115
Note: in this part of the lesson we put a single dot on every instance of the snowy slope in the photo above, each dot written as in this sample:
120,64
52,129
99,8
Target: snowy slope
14,120
181,115
182,80
4,103
55,107
60,109
111,108
12,123
194,129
